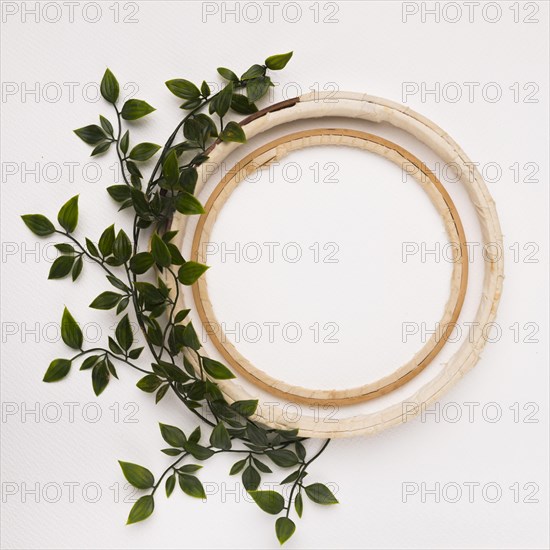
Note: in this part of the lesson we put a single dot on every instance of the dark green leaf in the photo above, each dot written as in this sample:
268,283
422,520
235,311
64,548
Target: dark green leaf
190,468
251,478
58,369
107,240
242,105
101,148
89,362
187,204
198,451
100,377
65,248
38,224
219,437
191,486
254,72
320,494
77,268
124,334
170,484
291,477
135,353
300,450
136,108
70,331
106,125
136,475
190,338
142,509
160,251
144,151
181,315
223,100
284,528
92,249
61,267
299,505
257,88
189,272
233,132
283,458
142,262
119,193
125,142
68,215
246,407
261,466
279,61
205,89
109,87
269,501
183,88
172,435
122,247
227,74
106,300
237,467
91,134
149,383
216,370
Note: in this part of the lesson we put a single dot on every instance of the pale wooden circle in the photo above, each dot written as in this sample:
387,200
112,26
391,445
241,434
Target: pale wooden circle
364,107
275,151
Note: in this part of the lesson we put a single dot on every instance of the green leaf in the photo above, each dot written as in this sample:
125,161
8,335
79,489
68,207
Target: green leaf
183,88
223,100
106,125
38,224
170,484
65,248
283,458
107,240
191,486
279,61
257,88
142,262
136,108
284,528
91,134
125,142
172,435
160,251
89,362
136,475
144,151
70,331
114,347
58,369
106,300
135,353
291,477
68,215
109,87
300,450
205,89
92,249
227,74
190,468
269,501
124,334
170,169
238,466
299,505
119,193
262,467
251,479
216,370
149,383
100,377
241,104
219,437
101,148
181,315
61,267
254,72
321,494
142,509
122,247
190,338
198,451
233,132
189,272
77,268
187,204
245,407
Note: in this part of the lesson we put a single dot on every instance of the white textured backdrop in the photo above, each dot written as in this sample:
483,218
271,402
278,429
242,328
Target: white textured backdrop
478,69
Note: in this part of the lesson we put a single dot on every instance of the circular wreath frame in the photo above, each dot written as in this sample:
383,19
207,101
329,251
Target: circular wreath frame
375,109
274,152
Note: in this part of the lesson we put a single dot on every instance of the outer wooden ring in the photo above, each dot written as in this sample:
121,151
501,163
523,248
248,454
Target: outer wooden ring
375,109
274,151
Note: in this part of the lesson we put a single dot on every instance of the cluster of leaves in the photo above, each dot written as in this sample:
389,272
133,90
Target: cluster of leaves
176,364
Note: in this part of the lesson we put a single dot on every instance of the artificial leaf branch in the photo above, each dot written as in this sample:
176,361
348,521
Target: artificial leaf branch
170,187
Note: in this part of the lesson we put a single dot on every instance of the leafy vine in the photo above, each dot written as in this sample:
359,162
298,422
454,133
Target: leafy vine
169,338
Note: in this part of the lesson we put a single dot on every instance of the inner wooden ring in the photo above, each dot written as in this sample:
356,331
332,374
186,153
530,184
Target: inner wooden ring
274,151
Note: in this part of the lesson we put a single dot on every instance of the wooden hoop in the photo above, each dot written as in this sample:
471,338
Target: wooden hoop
360,106
274,151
